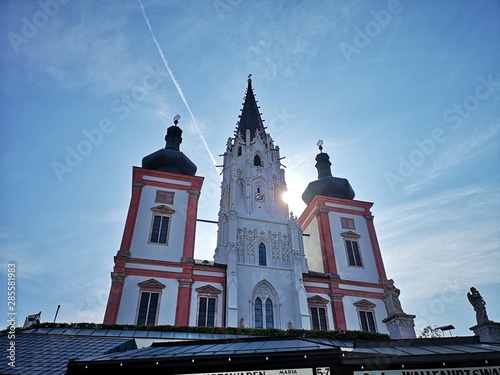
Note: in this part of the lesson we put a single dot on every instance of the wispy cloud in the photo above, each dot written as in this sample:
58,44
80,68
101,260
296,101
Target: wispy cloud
454,154
441,240
80,47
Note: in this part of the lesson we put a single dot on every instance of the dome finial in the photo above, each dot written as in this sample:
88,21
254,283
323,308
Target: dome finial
176,119
320,145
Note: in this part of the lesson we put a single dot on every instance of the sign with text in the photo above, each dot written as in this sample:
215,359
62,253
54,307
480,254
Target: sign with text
490,370
298,371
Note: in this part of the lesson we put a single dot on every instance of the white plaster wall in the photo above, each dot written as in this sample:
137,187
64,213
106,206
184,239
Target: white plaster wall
130,300
193,313
141,248
312,248
287,308
351,313
367,273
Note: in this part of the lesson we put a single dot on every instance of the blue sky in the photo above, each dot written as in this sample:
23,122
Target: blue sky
404,94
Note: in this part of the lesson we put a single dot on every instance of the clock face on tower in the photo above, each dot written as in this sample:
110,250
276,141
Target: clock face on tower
259,197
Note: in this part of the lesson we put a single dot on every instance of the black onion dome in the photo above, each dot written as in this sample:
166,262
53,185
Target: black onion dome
327,185
170,159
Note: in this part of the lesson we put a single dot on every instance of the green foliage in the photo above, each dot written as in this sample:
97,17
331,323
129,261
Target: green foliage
429,332
340,335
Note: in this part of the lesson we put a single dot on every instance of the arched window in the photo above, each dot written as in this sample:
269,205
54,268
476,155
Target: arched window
259,318
266,308
239,150
269,314
256,161
262,255
258,313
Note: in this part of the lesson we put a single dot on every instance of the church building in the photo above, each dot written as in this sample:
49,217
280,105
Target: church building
271,269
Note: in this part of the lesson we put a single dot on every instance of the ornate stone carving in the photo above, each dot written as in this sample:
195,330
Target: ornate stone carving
263,291
185,283
249,243
118,277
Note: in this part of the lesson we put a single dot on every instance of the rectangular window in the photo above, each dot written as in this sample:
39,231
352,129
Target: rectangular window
353,254
160,229
318,317
367,321
147,308
206,312
347,223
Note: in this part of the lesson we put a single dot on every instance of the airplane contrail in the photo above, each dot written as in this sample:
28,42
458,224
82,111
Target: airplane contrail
178,87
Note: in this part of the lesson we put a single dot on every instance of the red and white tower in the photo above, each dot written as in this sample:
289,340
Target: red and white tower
346,270
154,272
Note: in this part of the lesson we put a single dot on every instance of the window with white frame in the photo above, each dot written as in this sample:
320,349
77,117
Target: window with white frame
160,224
353,252
366,315
318,312
207,306
149,302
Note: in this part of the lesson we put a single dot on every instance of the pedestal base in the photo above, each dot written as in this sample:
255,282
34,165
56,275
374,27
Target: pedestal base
487,331
400,326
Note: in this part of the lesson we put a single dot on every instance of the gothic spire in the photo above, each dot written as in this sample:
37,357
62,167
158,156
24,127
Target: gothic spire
250,118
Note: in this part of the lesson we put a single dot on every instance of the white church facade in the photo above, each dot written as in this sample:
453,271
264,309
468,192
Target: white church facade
271,269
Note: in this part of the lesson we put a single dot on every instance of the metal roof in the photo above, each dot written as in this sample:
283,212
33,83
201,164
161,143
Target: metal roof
424,350
48,354
221,348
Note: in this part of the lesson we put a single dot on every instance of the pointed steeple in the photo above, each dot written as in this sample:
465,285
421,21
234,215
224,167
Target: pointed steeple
250,116
327,185
170,158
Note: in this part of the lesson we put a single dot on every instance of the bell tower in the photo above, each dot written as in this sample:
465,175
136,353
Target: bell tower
153,275
258,240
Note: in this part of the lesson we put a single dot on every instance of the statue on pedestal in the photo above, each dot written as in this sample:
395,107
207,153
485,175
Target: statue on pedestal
477,302
392,298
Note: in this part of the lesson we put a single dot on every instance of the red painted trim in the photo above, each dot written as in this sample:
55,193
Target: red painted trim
182,310
190,229
376,249
168,263
115,292
128,231
335,282
320,202
172,275
183,306
194,181
113,305
339,315
326,242
346,292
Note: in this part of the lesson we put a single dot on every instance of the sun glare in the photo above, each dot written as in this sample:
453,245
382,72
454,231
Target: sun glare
285,197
